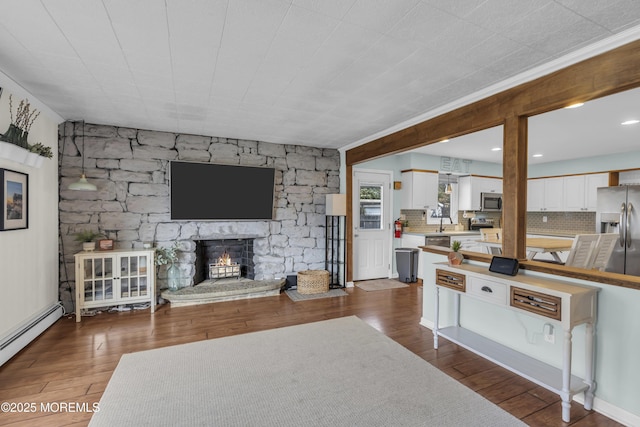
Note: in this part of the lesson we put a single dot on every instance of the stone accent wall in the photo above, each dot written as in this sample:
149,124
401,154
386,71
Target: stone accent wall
132,203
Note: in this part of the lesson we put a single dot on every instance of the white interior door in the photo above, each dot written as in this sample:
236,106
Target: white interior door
371,224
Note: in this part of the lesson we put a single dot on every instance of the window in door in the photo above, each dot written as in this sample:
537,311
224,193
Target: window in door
370,207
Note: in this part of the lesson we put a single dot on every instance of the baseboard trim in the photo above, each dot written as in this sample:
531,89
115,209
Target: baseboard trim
607,409
426,323
27,332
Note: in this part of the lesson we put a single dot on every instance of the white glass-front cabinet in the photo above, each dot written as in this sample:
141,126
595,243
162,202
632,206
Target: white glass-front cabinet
118,277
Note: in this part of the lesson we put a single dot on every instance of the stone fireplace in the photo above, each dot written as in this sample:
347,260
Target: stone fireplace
132,207
239,252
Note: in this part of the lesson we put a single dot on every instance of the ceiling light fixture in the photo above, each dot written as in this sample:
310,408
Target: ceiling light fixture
82,184
630,122
496,149
537,155
448,189
576,105
445,140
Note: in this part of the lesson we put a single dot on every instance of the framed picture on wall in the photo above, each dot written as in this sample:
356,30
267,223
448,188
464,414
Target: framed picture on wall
14,195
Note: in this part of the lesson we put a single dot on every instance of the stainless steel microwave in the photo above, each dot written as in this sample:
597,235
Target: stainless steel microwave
491,202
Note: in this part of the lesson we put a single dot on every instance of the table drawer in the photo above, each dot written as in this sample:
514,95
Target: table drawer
487,290
536,302
450,280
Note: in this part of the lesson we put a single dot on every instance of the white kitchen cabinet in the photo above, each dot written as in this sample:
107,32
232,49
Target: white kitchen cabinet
535,195
412,240
575,193
580,191
545,194
592,183
419,190
118,277
574,198
470,187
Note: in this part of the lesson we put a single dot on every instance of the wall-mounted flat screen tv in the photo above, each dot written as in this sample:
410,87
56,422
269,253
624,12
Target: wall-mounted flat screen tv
206,191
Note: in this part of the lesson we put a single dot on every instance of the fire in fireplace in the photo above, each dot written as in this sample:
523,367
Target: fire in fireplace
224,267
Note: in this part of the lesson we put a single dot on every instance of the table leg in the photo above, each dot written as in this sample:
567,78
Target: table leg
435,318
590,336
565,394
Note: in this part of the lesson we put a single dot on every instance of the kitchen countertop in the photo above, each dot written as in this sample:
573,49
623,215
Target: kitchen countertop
569,234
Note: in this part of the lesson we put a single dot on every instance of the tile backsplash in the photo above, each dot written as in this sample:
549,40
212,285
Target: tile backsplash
557,222
417,223
561,222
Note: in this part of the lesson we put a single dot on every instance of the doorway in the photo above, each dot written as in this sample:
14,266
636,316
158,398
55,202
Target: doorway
372,239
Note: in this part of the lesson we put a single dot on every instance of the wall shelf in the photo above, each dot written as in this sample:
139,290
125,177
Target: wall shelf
20,155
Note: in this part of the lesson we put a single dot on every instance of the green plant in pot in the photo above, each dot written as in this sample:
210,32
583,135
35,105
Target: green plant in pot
455,257
87,237
168,256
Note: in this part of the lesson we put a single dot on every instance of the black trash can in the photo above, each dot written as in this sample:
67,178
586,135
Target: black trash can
407,264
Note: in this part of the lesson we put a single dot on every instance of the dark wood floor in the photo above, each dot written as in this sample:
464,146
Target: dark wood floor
73,362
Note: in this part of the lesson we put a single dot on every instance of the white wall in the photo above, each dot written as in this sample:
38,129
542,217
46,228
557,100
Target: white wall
617,342
29,257
606,163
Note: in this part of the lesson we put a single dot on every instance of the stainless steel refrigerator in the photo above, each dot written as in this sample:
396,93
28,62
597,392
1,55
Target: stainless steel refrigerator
619,212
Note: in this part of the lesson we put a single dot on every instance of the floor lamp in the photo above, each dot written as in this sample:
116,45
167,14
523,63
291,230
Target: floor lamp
336,212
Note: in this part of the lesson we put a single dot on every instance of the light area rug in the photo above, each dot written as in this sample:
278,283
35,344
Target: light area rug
380,284
294,295
339,372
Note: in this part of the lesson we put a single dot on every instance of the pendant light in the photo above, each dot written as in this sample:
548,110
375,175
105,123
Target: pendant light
82,184
448,189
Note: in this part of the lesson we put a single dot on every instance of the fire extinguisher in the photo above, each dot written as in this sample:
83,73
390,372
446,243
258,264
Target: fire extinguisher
398,229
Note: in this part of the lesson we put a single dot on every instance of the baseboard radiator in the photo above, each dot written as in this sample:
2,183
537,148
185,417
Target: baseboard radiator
21,337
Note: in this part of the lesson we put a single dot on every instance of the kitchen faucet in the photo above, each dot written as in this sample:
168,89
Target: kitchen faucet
441,227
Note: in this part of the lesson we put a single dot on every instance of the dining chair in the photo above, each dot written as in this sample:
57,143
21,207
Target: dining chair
489,234
602,252
581,254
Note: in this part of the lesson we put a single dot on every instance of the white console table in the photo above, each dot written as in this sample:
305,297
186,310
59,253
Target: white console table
562,303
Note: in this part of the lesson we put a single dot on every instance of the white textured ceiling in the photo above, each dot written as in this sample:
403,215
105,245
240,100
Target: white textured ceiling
325,73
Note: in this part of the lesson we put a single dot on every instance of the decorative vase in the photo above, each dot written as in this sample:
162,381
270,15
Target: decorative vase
455,258
12,135
22,139
173,277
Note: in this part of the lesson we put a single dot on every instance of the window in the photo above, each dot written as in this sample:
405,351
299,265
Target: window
371,207
447,210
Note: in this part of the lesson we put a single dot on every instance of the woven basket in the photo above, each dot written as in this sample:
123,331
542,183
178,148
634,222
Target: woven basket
313,282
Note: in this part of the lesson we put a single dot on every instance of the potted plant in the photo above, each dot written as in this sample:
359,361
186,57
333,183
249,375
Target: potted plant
87,237
168,256
455,257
